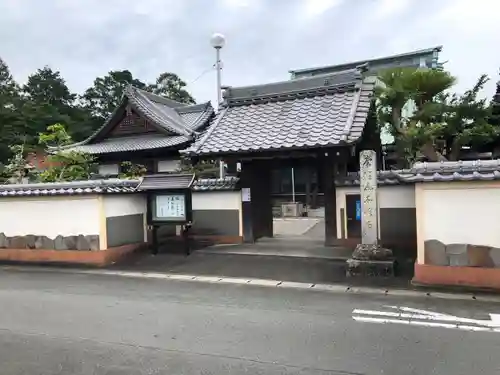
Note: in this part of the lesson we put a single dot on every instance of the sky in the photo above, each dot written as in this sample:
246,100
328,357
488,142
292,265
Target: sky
84,39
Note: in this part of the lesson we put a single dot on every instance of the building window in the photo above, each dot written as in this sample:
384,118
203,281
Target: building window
168,165
109,169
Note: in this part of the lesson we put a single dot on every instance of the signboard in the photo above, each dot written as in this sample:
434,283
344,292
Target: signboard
358,210
245,195
169,207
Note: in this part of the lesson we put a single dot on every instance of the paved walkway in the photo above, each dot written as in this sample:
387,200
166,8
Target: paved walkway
289,246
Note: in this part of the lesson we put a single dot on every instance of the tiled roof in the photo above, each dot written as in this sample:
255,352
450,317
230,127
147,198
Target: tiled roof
482,170
134,143
110,186
308,113
178,121
383,178
166,181
69,188
479,170
216,184
378,61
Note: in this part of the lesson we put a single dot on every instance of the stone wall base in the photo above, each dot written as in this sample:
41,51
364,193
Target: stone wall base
476,277
98,258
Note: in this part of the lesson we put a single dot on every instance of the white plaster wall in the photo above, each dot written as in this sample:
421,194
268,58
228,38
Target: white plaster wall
396,196
168,165
461,215
388,197
124,204
220,200
50,216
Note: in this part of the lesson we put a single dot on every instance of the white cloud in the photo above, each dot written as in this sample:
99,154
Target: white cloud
264,38
390,8
239,3
315,8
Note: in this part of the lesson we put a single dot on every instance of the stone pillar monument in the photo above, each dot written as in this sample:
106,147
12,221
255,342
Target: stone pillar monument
369,258
368,190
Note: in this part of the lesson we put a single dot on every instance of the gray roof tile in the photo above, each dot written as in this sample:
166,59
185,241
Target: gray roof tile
115,186
479,170
216,184
158,113
314,112
135,143
166,181
69,188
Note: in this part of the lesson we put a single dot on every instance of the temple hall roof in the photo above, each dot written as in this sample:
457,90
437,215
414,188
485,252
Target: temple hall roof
174,124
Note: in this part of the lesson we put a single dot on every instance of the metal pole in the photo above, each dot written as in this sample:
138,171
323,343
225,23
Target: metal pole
293,185
219,79
218,67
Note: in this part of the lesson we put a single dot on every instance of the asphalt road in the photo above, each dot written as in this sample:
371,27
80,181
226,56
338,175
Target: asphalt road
86,324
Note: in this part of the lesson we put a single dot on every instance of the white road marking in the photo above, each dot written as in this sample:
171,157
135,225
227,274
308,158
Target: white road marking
411,316
409,309
438,317
495,318
425,324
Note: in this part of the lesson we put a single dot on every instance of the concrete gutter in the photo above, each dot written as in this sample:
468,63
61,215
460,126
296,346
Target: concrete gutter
327,288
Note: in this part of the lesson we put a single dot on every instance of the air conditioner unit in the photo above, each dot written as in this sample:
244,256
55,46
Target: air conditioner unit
293,209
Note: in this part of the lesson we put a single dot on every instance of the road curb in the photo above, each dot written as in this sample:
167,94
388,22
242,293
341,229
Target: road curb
328,288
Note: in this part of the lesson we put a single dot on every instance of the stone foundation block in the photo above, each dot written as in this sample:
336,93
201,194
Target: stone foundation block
370,268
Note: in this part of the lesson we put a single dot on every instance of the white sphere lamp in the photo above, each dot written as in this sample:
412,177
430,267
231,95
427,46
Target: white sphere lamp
217,40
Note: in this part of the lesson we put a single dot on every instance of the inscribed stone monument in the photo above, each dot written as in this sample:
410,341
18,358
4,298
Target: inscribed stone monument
368,188
369,258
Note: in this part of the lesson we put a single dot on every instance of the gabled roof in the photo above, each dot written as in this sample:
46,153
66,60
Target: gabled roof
373,63
308,113
176,122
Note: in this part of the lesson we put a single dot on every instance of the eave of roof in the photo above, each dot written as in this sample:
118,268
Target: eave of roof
377,60
132,143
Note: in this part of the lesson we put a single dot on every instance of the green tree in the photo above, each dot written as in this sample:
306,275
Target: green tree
64,164
48,100
414,132
172,87
202,168
10,130
466,120
47,86
17,169
106,93
131,170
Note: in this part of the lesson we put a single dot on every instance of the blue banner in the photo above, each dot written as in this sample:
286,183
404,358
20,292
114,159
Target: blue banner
358,210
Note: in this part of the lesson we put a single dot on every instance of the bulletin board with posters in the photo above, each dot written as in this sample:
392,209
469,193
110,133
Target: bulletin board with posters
170,207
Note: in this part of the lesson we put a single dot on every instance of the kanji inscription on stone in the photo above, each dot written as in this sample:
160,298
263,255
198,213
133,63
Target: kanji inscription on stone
368,187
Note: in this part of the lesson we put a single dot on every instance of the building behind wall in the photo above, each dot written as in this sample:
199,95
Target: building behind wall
146,129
